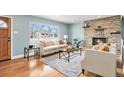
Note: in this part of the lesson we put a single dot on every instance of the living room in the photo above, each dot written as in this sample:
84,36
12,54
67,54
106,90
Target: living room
61,46
80,33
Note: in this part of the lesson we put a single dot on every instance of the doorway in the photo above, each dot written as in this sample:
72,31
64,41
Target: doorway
5,38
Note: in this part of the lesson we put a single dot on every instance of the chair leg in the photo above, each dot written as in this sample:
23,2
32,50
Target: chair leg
83,71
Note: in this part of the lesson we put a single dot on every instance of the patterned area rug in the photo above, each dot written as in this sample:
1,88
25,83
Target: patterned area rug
70,69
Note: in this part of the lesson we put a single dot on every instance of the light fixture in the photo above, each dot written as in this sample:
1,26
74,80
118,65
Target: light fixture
66,37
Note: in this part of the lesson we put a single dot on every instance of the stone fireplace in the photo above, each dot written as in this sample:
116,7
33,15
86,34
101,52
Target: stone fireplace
102,29
94,40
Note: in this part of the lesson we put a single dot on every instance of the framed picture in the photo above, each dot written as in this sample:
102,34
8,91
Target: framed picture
39,30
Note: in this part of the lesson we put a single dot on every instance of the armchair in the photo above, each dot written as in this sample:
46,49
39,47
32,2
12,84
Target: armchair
99,62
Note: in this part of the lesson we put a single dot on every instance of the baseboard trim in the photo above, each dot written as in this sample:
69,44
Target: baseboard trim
21,56
18,56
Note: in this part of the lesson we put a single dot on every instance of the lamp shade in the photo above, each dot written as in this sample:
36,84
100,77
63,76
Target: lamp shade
65,36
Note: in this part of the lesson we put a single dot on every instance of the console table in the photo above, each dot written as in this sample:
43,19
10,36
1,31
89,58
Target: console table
27,50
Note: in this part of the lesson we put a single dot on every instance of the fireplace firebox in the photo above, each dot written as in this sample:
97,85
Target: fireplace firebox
94,40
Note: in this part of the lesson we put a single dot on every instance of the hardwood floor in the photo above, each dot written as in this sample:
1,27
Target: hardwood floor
34,68
23,68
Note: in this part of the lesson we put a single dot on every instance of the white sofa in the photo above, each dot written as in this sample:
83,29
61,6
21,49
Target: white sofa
51,46
99,62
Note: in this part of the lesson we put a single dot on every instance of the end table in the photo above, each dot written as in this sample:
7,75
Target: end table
36,51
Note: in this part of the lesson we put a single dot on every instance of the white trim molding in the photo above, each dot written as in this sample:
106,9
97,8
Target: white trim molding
21,56
17,56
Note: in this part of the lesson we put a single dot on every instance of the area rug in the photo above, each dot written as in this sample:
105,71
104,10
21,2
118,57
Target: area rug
69,69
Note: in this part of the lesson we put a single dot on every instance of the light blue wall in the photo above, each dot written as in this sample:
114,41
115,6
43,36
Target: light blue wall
76,31
21,30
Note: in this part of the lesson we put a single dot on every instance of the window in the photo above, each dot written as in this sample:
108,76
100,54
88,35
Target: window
3,24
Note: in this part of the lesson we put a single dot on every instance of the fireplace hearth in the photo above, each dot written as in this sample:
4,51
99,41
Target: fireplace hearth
94,40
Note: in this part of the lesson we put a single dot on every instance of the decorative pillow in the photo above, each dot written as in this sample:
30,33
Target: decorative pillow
104,47
61,42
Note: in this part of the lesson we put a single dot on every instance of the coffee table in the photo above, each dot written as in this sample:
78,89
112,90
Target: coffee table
68,52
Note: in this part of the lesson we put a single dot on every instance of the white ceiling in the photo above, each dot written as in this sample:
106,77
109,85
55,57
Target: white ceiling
71,19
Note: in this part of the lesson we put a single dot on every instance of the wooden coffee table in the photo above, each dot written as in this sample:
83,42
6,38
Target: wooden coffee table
68,52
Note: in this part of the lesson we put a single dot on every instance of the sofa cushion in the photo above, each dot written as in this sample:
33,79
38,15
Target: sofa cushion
49,43
51,48
56,42
63,45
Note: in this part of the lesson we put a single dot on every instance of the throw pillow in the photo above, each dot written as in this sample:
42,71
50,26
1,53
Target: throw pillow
104,47
61,42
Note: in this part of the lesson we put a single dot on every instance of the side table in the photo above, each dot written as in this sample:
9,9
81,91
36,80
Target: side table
27,50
